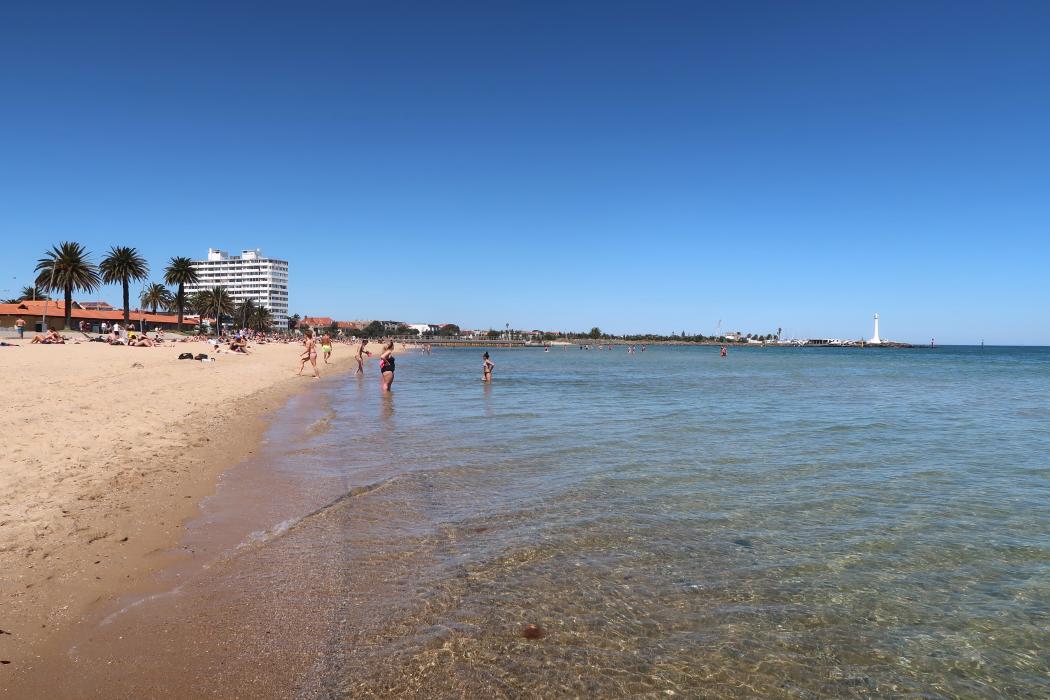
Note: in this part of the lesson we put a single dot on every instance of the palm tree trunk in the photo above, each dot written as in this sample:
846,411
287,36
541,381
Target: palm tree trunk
69,306
127,311
180,301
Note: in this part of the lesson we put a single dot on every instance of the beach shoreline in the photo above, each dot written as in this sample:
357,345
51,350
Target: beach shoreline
107,454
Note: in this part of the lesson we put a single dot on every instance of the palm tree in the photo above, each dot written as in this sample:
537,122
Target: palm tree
245,311
180,272
123,264
155,295
261,320
33,293
67,267
215,301
199,304
222,305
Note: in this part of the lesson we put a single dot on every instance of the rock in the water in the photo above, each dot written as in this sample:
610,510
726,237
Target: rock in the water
533,632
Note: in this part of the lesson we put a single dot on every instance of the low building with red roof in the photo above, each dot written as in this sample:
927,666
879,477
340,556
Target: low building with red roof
315,322
33,313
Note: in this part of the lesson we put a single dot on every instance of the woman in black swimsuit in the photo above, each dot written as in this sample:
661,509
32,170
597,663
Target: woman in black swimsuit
486,368
386,366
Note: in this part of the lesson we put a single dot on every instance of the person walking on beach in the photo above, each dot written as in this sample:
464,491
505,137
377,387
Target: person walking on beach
309,353
386,366
326,347
486,368
20,324
361,352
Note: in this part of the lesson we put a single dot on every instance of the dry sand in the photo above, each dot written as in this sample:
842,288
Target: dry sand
107,451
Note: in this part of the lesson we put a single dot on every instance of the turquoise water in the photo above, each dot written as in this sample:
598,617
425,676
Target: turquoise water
780,523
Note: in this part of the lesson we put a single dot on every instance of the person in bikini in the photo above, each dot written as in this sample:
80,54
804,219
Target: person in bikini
386,367
50,338
309,354
361,352
486,368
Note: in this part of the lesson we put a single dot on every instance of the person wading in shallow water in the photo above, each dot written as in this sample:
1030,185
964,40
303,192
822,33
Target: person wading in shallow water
309,354
486,368
386,366
361,352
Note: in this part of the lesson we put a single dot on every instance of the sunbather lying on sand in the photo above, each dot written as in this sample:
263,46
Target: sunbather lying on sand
50,338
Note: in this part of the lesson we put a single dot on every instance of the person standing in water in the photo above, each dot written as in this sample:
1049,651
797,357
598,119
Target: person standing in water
326,348
361,352
386,366
724,351
486,368
309,354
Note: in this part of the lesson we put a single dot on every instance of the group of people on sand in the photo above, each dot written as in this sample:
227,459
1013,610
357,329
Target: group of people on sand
52,337
132,339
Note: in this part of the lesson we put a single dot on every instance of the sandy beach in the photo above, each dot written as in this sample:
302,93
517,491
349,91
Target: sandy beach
108,450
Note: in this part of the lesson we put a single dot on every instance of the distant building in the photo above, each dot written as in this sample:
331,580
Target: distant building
316,323
348,327
247,276
425,328
34,312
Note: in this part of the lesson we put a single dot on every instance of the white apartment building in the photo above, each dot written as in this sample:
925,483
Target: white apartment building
247,276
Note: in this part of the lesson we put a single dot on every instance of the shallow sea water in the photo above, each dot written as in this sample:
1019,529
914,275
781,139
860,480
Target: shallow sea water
784,522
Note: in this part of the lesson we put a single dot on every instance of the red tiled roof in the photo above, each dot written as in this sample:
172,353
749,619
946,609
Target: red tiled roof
56,309
324,321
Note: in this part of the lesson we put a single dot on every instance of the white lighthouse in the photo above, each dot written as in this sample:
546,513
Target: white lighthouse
875,339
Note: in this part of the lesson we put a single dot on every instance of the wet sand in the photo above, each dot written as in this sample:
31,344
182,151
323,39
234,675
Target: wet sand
105,461
265,619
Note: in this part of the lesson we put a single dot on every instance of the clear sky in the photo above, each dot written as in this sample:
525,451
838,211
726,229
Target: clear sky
643,166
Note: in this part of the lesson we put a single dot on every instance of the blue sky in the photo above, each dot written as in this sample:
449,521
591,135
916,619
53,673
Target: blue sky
636,166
